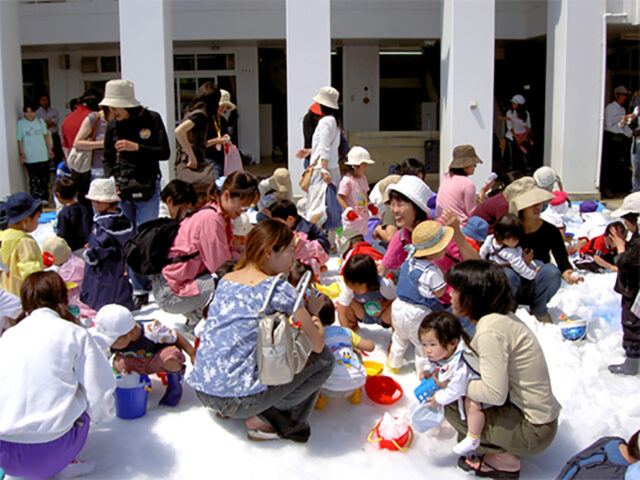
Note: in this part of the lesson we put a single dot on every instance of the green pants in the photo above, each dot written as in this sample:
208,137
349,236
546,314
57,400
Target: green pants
506,430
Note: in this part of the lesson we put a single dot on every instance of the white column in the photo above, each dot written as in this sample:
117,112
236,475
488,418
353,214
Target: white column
13,175
248,101
308,69
466,79
361,87
574,95
146,51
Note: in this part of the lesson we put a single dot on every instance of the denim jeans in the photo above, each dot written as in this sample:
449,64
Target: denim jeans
285,407
537,292
138,212
635,164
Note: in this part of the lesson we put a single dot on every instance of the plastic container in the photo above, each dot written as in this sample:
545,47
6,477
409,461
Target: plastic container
397,443
131,396
426,389
574,330
372,368
372,308
383,390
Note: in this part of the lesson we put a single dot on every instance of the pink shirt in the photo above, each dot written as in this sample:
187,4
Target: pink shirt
208,232
457,193
355,191
73,271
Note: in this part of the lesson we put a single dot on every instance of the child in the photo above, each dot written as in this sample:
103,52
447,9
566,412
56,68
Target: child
366,296
145,348
73,220
420,284
476,232
352,242
352,192
276,187
600,252
35,149
287,211
19,251
105,280
348,375
607,457
445,344
502,247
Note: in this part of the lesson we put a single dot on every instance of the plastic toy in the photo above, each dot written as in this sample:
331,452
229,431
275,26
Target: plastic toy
397,443
383,390
372,308
131,396
373,368
426,389
48,259
332,290
573,330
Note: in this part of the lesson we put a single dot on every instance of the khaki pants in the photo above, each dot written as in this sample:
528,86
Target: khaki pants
506,430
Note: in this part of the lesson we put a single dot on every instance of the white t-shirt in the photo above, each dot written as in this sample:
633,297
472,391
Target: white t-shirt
516,124
503,255
613,113
387,290
325,142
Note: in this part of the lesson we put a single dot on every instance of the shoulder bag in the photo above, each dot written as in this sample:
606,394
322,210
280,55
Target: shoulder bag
200,177
80,160
283,348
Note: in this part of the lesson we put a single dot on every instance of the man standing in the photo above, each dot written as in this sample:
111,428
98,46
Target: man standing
614,171
50,117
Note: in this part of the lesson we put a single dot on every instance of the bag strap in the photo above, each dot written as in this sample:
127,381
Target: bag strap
267,298
301,288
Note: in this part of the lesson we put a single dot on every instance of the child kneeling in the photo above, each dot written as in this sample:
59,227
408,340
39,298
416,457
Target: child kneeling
148,349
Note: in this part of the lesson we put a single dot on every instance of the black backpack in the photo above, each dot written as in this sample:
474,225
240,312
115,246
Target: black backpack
147,251
593,462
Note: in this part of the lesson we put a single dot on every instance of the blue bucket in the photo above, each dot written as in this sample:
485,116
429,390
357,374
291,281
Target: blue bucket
131,402
574,331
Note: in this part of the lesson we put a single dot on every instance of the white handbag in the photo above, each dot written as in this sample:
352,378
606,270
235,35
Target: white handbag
80,160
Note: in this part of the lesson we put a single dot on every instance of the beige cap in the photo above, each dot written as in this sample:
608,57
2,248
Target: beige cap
58,248
357,156
328,96
225,100
385,183
524,193
119,94
464,156
630,204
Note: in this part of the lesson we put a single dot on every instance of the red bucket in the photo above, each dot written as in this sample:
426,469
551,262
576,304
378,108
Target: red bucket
382,389
394,443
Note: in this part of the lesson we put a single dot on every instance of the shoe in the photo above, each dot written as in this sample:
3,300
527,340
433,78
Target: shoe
629,367
173,394
544,318
356,397
395,371
467,445
321,402
76,468
140,301
260,436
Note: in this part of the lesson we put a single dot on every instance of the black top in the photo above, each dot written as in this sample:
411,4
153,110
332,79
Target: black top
143,347
74,225
628,280
309,124
217,128
545,240
198,134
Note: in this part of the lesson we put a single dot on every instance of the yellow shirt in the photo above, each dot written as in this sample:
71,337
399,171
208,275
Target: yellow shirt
22,256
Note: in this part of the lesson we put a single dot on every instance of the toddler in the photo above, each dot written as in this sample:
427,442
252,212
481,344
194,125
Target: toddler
600,252
420,284
144,348
105,280
445,344
366,296
351,242
352,191
73,222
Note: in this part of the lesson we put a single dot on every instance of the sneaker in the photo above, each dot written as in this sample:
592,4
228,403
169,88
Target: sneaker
77,468
140,301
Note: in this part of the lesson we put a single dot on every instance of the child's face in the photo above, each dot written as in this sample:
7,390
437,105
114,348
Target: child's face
122,341
101,207
280,261
432,348
361,169
31,223
29,114
511,242
358,288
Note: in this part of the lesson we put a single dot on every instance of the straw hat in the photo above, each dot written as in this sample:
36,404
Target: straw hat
384,184
524,193
58,248
225,100
119,94
545,177
429,238
328,96
20,205
519,99
464,156
414,189
630,204
103,190
357,156
280,181
112,321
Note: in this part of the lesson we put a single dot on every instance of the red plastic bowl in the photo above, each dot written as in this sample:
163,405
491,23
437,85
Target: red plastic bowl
383,390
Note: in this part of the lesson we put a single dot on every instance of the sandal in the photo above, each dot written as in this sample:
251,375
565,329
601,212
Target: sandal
261,436
491,471
463,465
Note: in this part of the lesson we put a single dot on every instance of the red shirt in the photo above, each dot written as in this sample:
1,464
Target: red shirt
71,125
597,246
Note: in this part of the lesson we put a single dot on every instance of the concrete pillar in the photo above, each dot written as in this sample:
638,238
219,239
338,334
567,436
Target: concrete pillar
308,69
248,101
574,96
13,178
146,51
466,81
361,87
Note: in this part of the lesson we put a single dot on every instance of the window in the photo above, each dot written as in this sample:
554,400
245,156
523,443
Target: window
104,64
204,62
35,78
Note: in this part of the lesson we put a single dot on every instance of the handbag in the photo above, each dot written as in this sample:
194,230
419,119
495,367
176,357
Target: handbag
232,159
81,160
200,177
305,180
283,348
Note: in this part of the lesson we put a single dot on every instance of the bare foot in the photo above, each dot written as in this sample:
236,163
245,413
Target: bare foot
254,423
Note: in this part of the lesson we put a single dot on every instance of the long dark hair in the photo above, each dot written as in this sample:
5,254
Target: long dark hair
207,98
45,290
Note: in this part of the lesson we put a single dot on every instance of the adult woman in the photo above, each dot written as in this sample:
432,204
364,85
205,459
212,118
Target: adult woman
518,134
225,373
541,238
217,135
187,287
91,137
522,413
45,421
496,205
180,198
457,192
309,123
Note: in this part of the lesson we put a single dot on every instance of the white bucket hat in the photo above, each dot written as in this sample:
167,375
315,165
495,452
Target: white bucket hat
242,225
519,99
103,190
545,177
630,204
112,321
357,156
225,100
328,96
414,189
119,94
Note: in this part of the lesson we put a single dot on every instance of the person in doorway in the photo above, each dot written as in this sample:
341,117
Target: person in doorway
50,116
518,134
614,171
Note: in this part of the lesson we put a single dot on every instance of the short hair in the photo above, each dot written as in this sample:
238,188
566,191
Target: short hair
297,270
181,193
483,288
73,103
445,325
421,215
283,209
45,290
265,236
66,188
632,445
617,225
361,268
29,104
411,166
327,313
91,99
508,226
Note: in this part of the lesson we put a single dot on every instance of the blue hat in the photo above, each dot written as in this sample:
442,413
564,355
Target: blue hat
588,206
20,205
476,228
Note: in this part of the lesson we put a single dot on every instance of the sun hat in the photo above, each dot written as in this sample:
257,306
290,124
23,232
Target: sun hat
620,90
384,184
119,94
280,181
630,204
523,193
560,197
357,156
345,240
476,228
242,225
112,321
429,238
58,248
103,190
315,109
414,189
328,96
545,177
588,206
20,205
519,99
464,156
225,99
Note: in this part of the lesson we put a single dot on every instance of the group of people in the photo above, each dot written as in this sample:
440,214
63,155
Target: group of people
442,271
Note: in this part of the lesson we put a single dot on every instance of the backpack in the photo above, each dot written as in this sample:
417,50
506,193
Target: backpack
147,251
593,462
